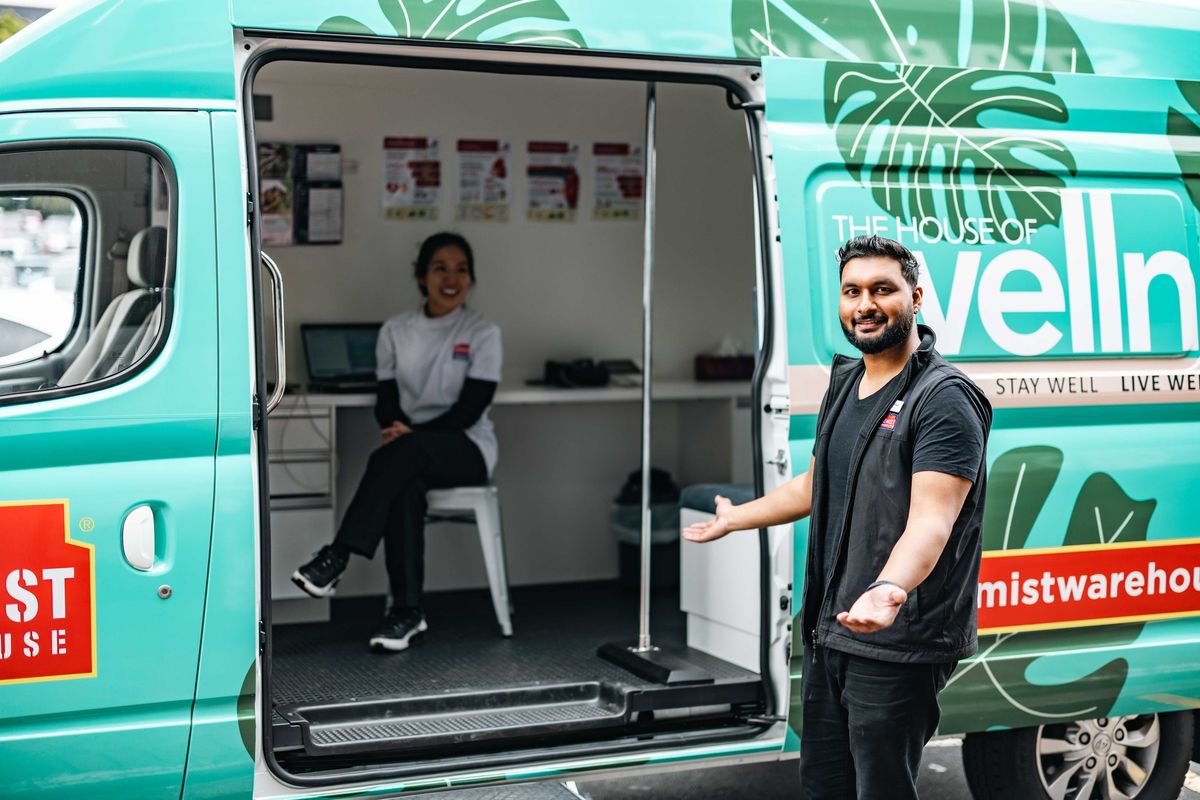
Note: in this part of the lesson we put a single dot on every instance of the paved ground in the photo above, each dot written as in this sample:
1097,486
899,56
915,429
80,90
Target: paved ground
941,779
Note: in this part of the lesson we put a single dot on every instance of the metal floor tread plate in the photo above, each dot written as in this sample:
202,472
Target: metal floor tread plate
427,722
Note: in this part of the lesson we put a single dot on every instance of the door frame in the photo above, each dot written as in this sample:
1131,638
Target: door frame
743,83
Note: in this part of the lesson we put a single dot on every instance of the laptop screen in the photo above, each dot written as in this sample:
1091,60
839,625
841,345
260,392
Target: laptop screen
340,352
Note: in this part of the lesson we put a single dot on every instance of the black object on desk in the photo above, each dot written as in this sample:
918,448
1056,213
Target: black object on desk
582,372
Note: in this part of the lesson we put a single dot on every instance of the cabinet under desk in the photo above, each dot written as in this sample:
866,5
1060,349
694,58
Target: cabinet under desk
564,455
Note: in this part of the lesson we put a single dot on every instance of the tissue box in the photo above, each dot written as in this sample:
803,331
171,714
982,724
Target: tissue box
724,368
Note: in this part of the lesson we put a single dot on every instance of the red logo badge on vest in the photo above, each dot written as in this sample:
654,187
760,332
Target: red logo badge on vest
47,597
462,352
889,422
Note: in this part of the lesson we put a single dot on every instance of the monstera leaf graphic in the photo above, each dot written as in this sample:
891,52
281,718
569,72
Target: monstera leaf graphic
1187,151
1105,514
993,689
914,132
520,22
994,34
1018,484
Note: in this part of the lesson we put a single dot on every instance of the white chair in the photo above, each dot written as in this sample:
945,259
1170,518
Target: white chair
448,505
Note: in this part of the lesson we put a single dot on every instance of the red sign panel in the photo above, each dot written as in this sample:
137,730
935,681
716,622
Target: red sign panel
1088,585
47,601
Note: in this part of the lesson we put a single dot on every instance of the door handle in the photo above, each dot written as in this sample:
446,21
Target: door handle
280,348
137,537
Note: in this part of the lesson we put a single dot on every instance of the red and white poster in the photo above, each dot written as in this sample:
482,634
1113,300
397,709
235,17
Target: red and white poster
552,178
48,615
619,180
1101,584
483,180
412,178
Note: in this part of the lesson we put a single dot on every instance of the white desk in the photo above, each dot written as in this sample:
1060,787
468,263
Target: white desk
564,454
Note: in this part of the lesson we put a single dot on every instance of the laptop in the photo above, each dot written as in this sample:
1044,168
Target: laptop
340,356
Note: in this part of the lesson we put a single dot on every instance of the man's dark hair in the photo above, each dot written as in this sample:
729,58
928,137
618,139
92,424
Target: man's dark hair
436,242
861,246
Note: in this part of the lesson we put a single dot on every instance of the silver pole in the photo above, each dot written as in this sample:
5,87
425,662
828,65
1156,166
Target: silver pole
647,340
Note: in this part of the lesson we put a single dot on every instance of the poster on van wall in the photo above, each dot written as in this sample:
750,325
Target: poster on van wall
483,180
619,181
412,178
275,195
552,180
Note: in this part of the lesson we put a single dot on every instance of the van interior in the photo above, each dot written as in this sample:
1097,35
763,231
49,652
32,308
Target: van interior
565,553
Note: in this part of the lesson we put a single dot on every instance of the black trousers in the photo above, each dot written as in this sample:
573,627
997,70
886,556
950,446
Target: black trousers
389,503
865,723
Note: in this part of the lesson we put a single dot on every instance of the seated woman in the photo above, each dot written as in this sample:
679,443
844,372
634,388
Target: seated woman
438,367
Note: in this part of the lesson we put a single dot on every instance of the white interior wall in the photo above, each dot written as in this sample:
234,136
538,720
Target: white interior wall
557,290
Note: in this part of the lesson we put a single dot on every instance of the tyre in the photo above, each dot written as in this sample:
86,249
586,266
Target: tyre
1144,756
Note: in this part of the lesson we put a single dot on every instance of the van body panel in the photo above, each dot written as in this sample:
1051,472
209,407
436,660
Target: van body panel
221,755
114,49
123,731
1012,36
109,49
1094,378
267,787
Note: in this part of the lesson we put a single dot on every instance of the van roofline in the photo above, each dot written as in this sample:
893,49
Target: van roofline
178,50
109,104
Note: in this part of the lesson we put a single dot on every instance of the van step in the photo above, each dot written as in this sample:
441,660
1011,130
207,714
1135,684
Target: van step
388,725
422,722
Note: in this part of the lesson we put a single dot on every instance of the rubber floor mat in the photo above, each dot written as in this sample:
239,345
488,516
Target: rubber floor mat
556,632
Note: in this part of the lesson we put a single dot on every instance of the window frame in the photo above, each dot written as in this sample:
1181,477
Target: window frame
86,206
164,163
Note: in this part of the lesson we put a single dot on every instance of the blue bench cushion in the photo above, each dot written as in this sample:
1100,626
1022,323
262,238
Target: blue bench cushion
702,496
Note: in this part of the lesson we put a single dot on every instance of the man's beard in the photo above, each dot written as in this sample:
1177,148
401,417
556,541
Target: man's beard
893,333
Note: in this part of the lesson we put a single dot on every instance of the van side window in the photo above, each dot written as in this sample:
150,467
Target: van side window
85,257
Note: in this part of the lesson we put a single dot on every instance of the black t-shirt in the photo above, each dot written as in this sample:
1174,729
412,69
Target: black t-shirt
948,438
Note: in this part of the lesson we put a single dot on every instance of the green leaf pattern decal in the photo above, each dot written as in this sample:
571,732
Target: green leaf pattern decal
992,689
914,131
529,22
928,142
1018,484
994,34
1187,150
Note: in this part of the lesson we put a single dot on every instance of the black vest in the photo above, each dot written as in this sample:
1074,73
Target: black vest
938,623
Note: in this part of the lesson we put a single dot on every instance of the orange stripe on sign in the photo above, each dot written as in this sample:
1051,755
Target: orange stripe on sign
1088,585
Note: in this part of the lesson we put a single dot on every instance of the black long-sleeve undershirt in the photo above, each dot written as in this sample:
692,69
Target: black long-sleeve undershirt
387,405
473,400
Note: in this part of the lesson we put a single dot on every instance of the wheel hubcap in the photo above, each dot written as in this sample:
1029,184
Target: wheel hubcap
1102,759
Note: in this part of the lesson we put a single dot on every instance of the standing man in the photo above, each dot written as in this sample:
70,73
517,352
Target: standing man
895,490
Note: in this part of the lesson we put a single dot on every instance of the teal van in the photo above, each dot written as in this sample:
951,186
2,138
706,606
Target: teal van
1042,158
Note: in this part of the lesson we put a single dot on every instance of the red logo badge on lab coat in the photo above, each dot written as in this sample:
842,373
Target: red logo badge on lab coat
47,602
462,351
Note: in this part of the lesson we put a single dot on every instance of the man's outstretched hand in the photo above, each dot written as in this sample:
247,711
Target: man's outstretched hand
874,610
712,529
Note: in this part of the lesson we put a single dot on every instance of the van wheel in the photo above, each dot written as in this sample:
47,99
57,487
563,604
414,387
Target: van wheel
1144,756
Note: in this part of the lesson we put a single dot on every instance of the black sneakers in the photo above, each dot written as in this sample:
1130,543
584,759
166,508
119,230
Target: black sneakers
398,628
319,576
